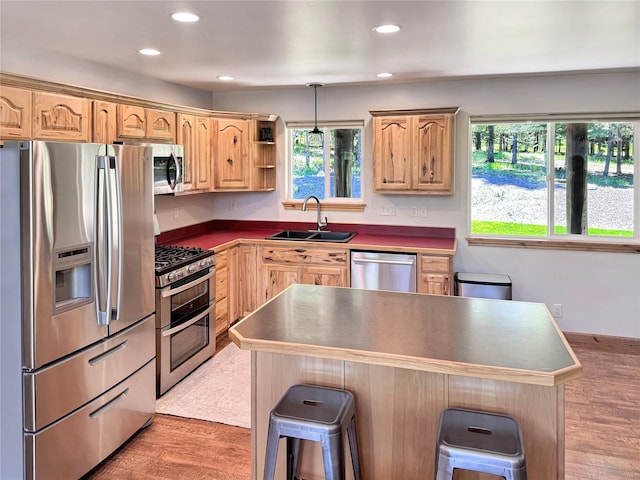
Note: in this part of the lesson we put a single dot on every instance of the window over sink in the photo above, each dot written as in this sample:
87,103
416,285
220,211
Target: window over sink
327,165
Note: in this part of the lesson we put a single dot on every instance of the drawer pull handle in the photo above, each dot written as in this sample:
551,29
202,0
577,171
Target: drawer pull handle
110,404
103,356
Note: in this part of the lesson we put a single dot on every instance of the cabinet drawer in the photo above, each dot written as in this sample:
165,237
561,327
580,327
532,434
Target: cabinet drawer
434,264
222,285
222,316
222,259
304,256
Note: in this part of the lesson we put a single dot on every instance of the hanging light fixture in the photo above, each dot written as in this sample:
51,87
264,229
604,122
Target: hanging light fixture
315,135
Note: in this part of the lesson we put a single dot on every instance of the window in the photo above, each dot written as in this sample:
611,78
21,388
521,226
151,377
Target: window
328,165
568,179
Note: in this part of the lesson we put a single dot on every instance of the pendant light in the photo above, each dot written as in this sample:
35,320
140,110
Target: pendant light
316,135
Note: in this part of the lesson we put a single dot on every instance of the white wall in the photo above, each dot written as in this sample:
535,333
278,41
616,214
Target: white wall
600,292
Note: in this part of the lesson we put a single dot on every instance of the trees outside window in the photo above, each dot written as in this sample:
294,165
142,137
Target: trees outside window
534,179
328,165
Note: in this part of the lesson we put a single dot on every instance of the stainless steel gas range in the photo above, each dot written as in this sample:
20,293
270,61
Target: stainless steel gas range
185,312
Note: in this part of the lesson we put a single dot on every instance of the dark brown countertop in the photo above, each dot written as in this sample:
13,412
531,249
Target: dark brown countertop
220,234
501,340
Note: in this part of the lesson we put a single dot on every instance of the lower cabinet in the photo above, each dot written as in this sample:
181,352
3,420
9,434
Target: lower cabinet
247,279
284,266
435,275
222,292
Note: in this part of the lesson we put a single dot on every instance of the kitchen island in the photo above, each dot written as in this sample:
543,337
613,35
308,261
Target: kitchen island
406,357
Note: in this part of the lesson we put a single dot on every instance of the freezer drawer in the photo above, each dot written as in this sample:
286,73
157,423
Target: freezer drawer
74,445
53,392
383,271
482,285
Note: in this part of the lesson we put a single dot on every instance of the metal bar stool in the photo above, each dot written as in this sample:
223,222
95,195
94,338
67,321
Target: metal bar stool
321,414
480,442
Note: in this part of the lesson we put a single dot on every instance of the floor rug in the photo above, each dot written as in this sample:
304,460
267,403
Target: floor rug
218,391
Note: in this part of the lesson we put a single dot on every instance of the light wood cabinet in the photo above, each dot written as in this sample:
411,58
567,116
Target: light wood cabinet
435,275
195,133
104,121
234,312
247,279
222,292
232,154
139,123
413,151
61,117
263,159
15,113
284,266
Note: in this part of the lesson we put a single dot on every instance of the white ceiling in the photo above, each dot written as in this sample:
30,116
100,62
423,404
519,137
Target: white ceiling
293,42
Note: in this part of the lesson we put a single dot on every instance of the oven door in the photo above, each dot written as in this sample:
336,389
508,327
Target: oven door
186,337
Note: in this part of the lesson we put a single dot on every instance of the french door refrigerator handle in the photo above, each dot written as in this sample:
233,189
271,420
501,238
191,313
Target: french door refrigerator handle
116,246
104,240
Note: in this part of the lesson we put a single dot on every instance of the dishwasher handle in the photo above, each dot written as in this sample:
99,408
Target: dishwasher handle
375,260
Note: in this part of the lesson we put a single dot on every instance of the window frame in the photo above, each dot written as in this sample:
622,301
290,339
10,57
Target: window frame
553,240
330,203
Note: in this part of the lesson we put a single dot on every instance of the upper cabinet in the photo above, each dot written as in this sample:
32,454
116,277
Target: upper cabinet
196,134
232,154
413,151
263,159
135,122
15,113
61,117
104,122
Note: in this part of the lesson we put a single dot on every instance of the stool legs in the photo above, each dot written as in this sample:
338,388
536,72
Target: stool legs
333,456
353,445
273,439
293,454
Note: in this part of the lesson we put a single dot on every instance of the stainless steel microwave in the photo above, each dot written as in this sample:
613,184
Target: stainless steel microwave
167,169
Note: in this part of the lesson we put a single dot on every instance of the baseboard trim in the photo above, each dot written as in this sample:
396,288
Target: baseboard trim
605,342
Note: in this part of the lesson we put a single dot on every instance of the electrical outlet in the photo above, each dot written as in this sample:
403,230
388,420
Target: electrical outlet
388,211
176,213
414,211
557,310
423,212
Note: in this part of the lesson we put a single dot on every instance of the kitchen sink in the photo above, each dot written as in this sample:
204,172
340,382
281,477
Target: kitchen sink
312,236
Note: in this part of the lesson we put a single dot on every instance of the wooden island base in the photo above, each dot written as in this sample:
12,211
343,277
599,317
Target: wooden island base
406,357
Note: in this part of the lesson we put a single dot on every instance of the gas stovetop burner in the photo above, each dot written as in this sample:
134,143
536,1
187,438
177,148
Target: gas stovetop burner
173,263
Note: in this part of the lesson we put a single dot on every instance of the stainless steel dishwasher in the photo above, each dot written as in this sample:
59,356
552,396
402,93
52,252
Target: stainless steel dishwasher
383,271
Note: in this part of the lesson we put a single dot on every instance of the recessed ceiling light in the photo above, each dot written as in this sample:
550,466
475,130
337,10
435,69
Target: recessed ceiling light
225,78
384,75
149,51
389,28
185,17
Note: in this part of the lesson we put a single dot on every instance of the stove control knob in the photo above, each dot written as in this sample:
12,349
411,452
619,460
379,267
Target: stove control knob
204,263
191,268
171,277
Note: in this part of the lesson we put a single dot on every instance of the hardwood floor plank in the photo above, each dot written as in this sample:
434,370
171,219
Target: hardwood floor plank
602,415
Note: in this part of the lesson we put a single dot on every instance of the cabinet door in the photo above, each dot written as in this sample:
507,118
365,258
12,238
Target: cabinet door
186,135
433,154
61,117
15,113
104,122
435,274
161,125
203,140
233,285
277,277
329,276
435,283
392,153
247,279
232,158
131,122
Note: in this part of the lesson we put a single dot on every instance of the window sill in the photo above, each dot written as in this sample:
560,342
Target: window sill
336,206
552,244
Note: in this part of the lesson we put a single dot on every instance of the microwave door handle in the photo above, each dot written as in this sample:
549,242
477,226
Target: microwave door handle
104,241
116,250
168,291
172,183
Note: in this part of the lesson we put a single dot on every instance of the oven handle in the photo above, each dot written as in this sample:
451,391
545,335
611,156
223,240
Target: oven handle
183,326
168,291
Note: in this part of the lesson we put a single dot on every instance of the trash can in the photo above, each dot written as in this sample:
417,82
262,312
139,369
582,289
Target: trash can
482,285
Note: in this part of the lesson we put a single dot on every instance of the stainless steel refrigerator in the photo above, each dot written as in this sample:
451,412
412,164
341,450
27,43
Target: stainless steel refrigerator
78,243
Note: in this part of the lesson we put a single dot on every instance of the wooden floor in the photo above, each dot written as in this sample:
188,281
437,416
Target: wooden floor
602,433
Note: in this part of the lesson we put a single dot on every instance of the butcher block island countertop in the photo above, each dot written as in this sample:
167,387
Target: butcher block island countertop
406,357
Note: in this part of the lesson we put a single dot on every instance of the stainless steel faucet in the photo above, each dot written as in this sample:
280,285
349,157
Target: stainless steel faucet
321,225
